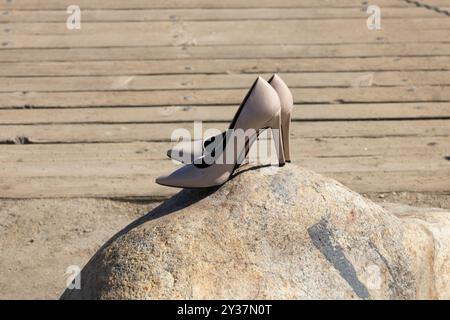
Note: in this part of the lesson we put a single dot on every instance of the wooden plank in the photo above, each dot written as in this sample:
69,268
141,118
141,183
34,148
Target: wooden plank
219,97
56,35
225,52
345,148
96,151
131,15
219,81
223,66
174,37
221,113
84,133
124,168
225,28
144,186
155,4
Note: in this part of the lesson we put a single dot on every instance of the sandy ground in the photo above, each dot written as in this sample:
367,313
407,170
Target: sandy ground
40,239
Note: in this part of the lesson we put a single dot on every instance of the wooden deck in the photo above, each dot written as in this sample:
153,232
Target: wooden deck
89,113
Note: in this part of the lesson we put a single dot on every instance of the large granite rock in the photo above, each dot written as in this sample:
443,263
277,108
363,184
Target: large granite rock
283,233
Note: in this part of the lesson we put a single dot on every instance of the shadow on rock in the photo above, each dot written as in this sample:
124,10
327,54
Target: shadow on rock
179,201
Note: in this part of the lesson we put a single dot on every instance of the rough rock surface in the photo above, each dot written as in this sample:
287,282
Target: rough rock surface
282,233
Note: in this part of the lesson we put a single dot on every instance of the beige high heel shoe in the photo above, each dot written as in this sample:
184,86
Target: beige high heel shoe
187,151
260,109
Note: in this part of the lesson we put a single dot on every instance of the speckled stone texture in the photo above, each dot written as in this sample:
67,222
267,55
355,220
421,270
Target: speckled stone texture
274,233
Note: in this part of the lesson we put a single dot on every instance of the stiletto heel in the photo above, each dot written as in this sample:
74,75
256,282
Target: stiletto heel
287,104
275,125
285,131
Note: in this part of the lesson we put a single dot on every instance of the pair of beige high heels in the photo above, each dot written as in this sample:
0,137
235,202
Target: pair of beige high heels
268,104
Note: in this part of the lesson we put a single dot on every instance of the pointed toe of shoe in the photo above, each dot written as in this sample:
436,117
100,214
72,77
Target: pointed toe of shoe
168,181
163,180
173,179
180,178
